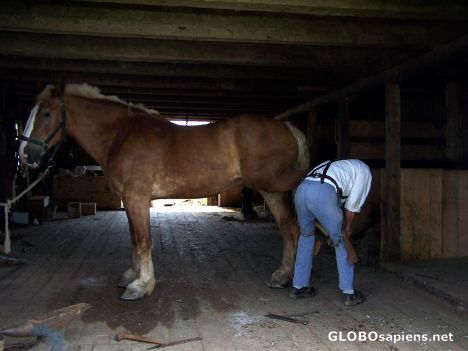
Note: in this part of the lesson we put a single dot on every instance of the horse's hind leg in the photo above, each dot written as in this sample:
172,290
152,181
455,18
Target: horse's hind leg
282,210
138,217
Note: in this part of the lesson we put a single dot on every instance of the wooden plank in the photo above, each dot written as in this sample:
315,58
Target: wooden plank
213,26
463,214
173,51
391,242
436,196
409,129
450,222
84,189
453,10
407,215
421,197
409,152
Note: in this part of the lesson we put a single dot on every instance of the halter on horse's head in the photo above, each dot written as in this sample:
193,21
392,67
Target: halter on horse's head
45,127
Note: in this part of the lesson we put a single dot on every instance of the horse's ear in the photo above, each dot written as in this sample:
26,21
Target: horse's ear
59,90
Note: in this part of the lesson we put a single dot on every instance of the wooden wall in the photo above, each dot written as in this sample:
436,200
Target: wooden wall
421,141
84,189
434,221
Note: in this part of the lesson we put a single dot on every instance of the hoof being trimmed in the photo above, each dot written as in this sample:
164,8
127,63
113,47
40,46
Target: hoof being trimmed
280,279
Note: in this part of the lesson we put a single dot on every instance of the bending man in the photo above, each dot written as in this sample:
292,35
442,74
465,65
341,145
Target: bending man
321,195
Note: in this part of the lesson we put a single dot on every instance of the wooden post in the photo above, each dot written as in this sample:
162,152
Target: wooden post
453,127
390,241
343,130
312,135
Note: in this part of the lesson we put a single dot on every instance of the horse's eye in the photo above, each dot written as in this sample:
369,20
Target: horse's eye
46,114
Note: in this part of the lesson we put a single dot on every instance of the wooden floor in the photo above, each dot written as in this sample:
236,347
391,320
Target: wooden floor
212,271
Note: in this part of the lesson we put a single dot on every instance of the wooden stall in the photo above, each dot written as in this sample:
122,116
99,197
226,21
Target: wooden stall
84,189
433,220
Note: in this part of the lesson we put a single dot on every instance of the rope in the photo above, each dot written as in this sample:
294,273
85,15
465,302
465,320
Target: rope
7,206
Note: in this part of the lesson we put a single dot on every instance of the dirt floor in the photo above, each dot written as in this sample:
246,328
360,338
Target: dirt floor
212,269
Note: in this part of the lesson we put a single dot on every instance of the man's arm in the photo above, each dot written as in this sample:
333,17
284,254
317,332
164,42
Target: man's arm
348,220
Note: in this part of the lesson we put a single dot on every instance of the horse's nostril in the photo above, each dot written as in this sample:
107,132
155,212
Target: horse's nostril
33,153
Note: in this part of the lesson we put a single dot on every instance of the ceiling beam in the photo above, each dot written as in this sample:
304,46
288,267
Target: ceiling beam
165,69
167,24
146,50
192,84
422,10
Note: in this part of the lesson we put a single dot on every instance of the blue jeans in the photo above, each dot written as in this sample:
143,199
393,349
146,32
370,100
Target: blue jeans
315,200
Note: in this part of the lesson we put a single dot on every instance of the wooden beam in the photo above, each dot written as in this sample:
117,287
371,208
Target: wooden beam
165,69
343,130
154,51
452,10
390,239
193,84
126,22
403,71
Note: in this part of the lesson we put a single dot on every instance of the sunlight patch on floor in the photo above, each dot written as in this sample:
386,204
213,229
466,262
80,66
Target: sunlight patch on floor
186,205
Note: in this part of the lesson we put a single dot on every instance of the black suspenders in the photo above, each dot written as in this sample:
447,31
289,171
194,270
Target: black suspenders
314,174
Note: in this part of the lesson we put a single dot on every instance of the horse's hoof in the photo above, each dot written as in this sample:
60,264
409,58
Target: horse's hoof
123,283
132,294
127,278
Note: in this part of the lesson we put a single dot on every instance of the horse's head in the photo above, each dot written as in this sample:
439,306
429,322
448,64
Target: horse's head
45,126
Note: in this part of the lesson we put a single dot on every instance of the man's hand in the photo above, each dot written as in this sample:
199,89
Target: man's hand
347,232
348,220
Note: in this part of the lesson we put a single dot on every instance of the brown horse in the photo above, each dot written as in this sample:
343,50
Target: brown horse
146,157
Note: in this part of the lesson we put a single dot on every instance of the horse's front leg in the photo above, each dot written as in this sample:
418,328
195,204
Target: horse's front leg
138,216
130,274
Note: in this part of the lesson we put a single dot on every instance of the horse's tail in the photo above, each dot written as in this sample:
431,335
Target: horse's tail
302,160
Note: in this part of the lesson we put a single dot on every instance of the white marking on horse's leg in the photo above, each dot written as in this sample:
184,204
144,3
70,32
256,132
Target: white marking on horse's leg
131,274
27,132
145,283
138,216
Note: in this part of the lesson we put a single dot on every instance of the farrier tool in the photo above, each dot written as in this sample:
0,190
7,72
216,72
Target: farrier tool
287,319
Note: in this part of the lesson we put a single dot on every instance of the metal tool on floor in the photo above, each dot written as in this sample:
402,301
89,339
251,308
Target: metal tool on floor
49,328
287,319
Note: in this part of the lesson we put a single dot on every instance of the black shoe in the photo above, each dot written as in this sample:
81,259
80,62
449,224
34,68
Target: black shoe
354,299
302,292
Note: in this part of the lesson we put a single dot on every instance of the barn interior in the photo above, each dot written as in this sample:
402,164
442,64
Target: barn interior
384,82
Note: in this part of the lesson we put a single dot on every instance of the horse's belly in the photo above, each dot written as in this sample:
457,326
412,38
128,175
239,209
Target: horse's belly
196,187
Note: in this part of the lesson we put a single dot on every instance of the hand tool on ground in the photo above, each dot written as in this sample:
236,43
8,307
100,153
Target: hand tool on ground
12,261
287,319
178,342
50,327
352,256
129,336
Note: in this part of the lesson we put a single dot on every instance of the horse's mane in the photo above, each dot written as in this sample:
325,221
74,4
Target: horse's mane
87,91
